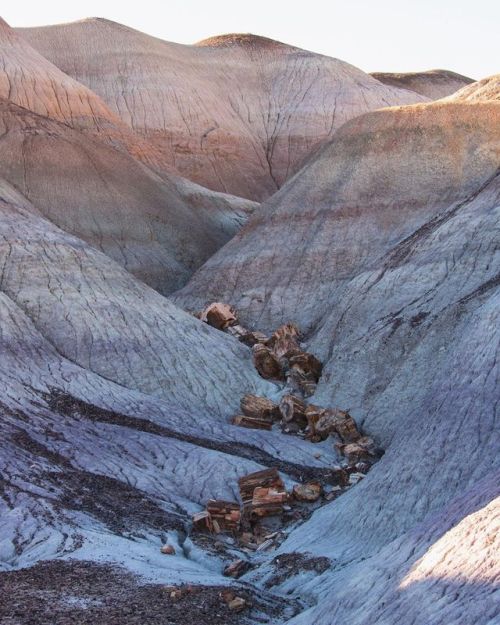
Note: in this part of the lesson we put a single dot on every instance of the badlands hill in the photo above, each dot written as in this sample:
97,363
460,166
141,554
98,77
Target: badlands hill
235,113
384,176
116,404
87,172
483,90
434,84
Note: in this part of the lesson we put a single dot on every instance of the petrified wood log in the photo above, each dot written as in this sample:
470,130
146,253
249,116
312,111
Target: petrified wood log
225,515
219,315
267,501
285,341
268,478
266,363
236,568
363,450
308,364
325,421
252,422
293,409
259,407
238,331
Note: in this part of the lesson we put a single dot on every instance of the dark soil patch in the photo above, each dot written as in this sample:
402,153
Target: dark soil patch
290,564
66,404
121,507
83,593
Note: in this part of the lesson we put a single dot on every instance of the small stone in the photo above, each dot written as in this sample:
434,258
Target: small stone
227,595
168,550
307,492
236,568
237,604
354,478
176,594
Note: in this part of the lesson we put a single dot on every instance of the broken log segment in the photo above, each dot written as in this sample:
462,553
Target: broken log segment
202,521
225,515
299,382
293,410
308,364
268,478
325,421
285,341
263,493
267,502
363,450
259,407
252,422
219,315
267,364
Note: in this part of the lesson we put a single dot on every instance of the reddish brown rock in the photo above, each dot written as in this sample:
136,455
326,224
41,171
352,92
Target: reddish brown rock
236,568
325,421
219,315
266,363
307,364
285,341
259,407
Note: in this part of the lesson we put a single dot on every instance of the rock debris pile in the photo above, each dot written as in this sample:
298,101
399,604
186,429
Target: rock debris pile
281,358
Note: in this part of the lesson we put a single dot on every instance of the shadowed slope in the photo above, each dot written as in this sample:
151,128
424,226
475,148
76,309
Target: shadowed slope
236,113
110,200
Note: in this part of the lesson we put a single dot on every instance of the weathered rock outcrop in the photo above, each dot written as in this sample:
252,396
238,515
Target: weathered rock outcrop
434,84
236,113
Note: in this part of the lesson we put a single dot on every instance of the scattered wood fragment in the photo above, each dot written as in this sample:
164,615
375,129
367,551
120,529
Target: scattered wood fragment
252,422
236,568
202,521
225,515
168,550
